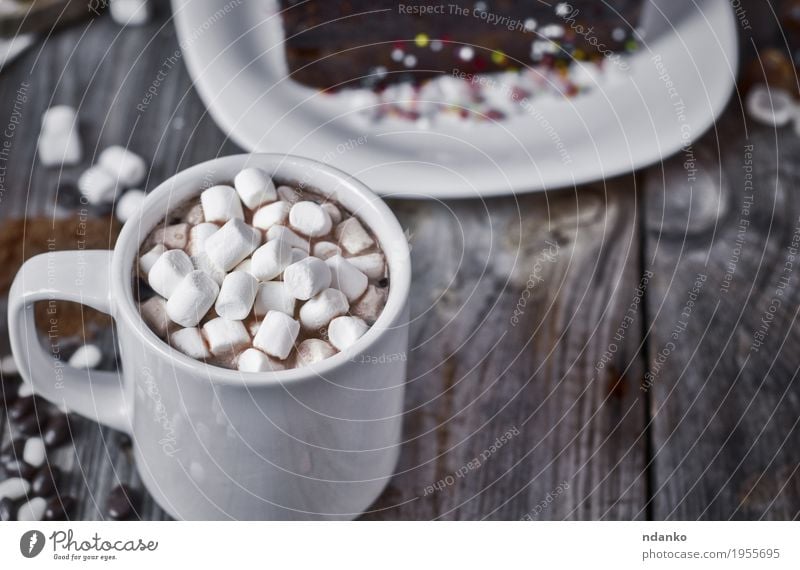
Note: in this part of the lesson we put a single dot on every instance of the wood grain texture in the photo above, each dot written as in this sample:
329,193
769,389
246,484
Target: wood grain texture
724,400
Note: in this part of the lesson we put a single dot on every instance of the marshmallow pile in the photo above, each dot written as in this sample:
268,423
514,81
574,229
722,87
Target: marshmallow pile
261,278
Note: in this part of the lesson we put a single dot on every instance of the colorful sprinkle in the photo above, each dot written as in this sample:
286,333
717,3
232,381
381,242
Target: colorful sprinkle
466,53
421,40
498,57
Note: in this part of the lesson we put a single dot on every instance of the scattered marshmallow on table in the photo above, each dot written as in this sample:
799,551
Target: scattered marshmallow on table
288,194
271,215
313,350
346,277
274,296
255,187
147,260
271,259
34,452
14,488
321,309
192,299
59,141
8,366
87,356
126,167
168,271
307,277
190,341
326,249
343,332
225,336
770,106
154,313
97,185
236,295
25,389
310,219
198,236
373,265
129,205
221,203
352,236
253,360
175,236
232,243
33,510
277,334
130,12
287,235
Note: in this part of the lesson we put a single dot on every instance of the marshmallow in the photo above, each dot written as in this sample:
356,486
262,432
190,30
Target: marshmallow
175,236
154,313
59,141
326,249
770,106
253,326
168,271
288,194
313,350
277,334
372,265
224,336
346,277
271,259
343,332
33,510
321,309
97,185
87,356
274,296
352,236
298,254
255,187
8,366
287,235
236,295
246,266
14,488
198,236
310,219
148,259
220,204
192,298
127,168
190,342
333,212
25,390
34,452
129,205
195,215
307,277
370,305
130,12
253,360
271,214
203,263
232,243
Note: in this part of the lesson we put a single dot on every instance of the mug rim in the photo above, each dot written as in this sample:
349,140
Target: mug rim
388,232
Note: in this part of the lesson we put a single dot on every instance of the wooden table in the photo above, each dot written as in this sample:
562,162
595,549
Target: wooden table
625,376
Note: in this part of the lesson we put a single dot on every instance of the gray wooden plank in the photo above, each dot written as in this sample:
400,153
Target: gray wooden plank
725,410
576,447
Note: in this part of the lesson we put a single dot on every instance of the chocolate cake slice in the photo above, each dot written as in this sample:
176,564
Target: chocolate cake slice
374,43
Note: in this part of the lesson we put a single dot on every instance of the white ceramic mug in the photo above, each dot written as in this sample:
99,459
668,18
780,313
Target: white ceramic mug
319,442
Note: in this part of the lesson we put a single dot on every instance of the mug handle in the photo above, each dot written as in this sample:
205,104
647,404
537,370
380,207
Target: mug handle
57,276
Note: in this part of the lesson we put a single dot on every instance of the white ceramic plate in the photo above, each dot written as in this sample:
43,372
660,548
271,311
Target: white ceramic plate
234,53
